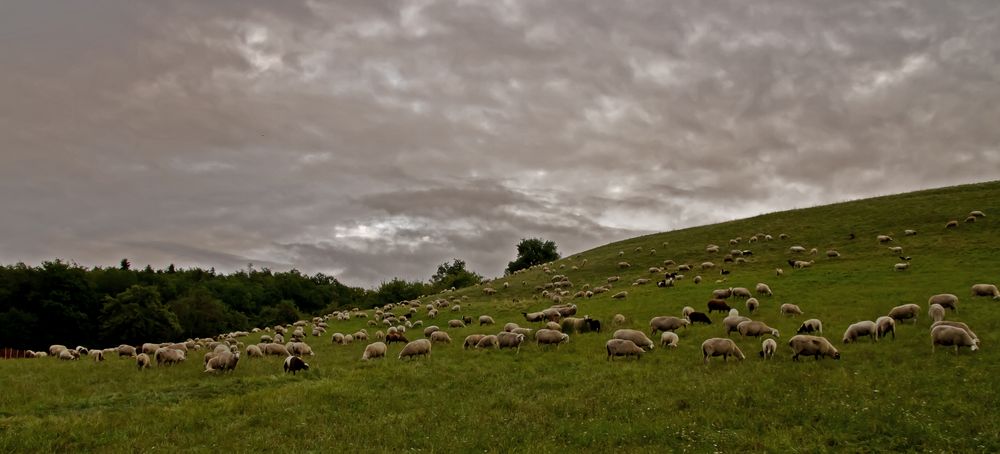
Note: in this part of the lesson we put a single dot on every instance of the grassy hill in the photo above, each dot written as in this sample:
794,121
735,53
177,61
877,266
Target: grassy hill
891,395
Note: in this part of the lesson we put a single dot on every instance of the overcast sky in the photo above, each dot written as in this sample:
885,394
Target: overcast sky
370,139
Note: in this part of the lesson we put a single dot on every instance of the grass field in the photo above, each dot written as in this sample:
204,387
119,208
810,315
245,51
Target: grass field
893,395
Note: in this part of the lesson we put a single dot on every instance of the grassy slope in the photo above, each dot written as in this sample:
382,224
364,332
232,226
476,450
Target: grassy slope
893,395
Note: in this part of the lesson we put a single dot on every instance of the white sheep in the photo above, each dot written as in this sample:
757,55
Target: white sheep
419,347
977,214
374,350
440,337
905,312
790,309
796,249
957,325
860,329
666,323
669,339
618,320
813,325
767,348
832,254
952,336
622,347
980,290
936,312
718,346
901,266
550,337
909,232
638,337
806,345
764,289
883,239
755,329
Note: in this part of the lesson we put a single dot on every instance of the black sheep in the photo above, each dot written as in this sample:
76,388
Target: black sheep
699,317
718,305
294,364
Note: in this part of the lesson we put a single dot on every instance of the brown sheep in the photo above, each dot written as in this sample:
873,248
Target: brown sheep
806,345
718,346
622,347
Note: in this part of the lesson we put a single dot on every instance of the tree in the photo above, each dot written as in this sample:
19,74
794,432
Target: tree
137,315
453,274
398,290
531,252
201,314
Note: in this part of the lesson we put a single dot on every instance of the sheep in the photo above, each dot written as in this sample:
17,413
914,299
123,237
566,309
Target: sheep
718,346
901,266
68,355
456,324
488,341
898,250
905,312
732,323
699,317
741,292
951,224
641,281
533,316
778,272
430,330
579,325
294,364
957,325
614,279
126,350
254,351
168,356
946,300
970,219
813,325
815,346
142,361
666,323
96,355
348,338
684,267
756,329
620,295
882,239
767,348
717,305
712,249
624,265
783,236
224,362
909,232
707,265
790,309
440,337
796,249
419,347
936,312
734,312
763,289
565,310
802,264
952,336
299,349
553,326
622,347
147,348
669,339
635,336
885,325
456,308
374,350
860,329
510,340
983,290
528,332
618,320
379,335
697,279
395,337
686,310
722,293
752,305
832,254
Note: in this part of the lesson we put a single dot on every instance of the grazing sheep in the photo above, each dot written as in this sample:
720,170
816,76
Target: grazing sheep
712,249
669,339
465,319
374,350
510,340
832,254
224,362
274,349
752,305
980,290
707,265
624,265
395,337
946,300
620,295
686,310
767,348
717,305
579,325
718,346
741,292
733,312
147,348
430,330
486,320
419,347
778,272
970,219
860,329
909,232
294,364
957,325
622,347
666,323
977,214
456,324
813,325
885,325
797,249
951,224
901,266
68,355
756,329
472,340
699,317
722,293
945,335
126,350
801,264
883,239
905,312
142,361
533,316
168,356
488,341
790,309
379,335
299,349
528,332
898,250
732,323
440,337
614,279
254,351
638,337
348,338
763,289
618,320
936,312
456,308
806,345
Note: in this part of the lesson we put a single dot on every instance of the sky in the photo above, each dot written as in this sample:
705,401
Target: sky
371,140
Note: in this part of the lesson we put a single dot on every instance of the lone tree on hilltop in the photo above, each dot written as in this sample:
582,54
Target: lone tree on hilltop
531,252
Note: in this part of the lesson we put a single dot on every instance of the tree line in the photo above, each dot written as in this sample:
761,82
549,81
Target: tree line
64,303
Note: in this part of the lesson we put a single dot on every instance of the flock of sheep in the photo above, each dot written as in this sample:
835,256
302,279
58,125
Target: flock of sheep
557,322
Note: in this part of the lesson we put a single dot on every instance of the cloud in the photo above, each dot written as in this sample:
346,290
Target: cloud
371,140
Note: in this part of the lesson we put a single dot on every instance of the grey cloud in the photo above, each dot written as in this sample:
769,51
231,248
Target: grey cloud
378,139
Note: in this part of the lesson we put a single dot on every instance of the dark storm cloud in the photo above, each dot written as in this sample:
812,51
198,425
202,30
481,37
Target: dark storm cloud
379,139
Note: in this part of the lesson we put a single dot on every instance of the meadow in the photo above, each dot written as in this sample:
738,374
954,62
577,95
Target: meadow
893,395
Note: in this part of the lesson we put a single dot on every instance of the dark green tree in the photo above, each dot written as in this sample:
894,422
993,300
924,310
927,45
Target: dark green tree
531,252
137,315
201,314
398,290
453,274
